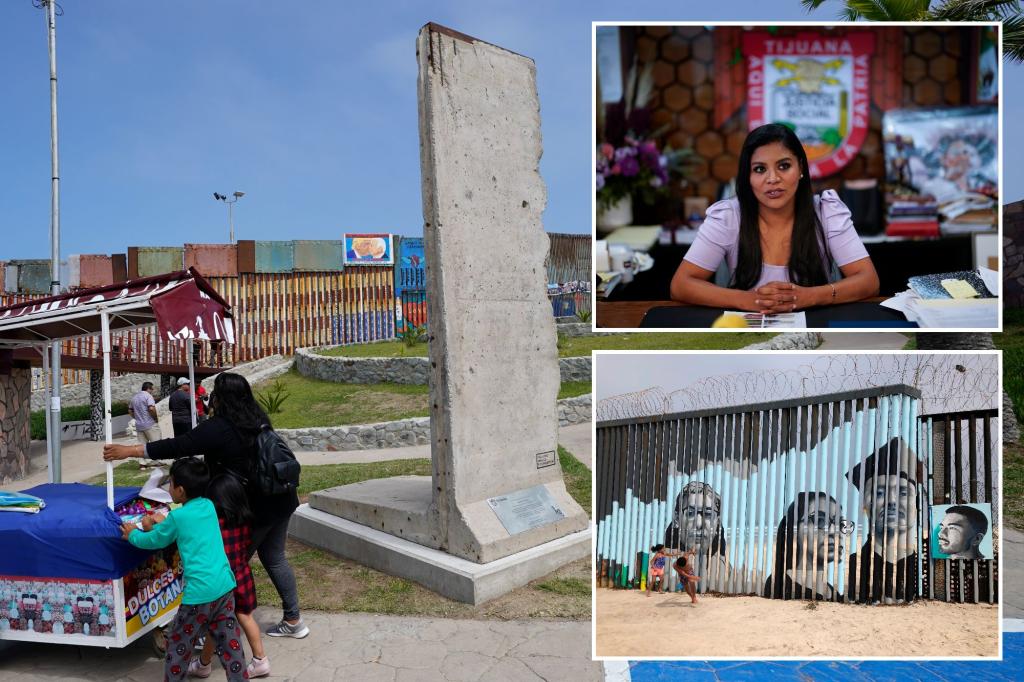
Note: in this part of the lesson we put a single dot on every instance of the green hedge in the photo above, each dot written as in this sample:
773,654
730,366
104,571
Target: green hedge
70,414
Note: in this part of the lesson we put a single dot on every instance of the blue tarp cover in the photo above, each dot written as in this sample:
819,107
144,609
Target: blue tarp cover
75,536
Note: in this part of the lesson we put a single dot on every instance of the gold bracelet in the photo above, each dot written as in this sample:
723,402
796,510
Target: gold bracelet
833,291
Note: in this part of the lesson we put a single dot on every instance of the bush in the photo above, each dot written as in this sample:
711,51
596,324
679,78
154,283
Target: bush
272,398
413,335
72,413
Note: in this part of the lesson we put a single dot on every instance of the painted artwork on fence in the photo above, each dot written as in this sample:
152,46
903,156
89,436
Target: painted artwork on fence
369,249
811,499
410,284
962,531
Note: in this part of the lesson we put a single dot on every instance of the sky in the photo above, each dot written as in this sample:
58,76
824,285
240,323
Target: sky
309,108
943,388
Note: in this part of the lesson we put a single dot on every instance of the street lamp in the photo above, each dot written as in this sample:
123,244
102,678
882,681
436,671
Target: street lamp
231,223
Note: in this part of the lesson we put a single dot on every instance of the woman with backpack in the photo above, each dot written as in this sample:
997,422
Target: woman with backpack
238,440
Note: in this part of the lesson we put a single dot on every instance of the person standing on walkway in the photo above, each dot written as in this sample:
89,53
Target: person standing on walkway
228,441
201,403
142,408
180,404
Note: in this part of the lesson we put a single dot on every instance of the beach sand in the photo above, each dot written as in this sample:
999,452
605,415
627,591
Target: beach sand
631,624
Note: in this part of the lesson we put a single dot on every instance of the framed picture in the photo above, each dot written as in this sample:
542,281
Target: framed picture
961,531
986,250
369,249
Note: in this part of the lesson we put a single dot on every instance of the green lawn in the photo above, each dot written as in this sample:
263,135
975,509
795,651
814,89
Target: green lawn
312,402
323,476
1011,342
580,345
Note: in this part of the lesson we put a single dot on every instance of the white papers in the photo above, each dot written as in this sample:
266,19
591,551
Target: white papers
947,313
152,490
991,279
778,321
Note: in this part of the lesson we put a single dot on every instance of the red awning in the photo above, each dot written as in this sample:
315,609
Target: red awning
182,304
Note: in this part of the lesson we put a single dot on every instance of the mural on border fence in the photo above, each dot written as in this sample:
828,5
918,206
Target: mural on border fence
962,531
811,499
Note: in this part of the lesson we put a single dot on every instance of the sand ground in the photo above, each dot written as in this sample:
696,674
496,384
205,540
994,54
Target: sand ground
632,624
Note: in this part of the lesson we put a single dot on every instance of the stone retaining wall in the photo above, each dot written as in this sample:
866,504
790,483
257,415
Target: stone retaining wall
404,370
15,439
122,388
343,370
402,432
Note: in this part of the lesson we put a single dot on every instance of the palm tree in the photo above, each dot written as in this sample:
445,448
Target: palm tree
1006,11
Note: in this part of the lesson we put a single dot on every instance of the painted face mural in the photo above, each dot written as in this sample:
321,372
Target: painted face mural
891,501
817,499
818,529
815,523
962,530
697,517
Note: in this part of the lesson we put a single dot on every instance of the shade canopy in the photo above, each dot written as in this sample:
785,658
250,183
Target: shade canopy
182,304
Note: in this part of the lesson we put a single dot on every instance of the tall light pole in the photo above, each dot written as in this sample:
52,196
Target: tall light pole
55,375
231,222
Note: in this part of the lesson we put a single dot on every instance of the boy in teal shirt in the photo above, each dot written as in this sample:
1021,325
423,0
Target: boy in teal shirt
208,602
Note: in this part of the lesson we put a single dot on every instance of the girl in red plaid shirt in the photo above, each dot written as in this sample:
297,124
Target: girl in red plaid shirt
233,512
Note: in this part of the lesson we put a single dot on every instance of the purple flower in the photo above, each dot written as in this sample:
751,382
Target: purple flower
630,166
600,181
624,153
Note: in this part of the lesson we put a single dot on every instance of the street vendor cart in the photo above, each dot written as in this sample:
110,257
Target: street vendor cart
66,576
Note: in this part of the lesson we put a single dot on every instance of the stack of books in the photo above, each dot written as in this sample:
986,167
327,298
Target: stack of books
968,213
911,216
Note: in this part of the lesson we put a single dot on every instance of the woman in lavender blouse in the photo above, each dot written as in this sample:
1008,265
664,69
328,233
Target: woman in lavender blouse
781,243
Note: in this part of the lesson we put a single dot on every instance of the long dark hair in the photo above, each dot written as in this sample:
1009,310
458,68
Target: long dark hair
785,543
230,501
232,400
808,242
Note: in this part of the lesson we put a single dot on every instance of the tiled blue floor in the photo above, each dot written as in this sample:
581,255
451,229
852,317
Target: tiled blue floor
833,671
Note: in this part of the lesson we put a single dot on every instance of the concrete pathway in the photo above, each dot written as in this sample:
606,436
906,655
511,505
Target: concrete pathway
81,460
361,647
1013,573
862,341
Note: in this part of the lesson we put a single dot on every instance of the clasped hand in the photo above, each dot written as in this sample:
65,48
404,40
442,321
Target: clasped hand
780,297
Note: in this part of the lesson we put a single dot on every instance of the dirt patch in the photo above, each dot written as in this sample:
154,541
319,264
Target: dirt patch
329,583
753,626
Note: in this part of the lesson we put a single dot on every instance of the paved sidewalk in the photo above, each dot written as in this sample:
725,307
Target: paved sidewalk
360,647
862,341
81,460
1013,573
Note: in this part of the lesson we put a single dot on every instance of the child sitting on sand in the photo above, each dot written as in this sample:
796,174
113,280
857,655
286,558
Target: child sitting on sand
658,562
688,578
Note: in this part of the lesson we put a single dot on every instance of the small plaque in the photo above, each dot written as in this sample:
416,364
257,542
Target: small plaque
545,459
525,509
305,440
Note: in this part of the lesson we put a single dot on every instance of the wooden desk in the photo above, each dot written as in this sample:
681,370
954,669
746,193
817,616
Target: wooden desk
622,314
627,314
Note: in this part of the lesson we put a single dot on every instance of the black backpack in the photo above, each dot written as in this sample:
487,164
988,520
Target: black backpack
275,470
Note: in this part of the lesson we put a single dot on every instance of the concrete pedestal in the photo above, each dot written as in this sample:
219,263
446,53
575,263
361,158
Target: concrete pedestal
455,578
